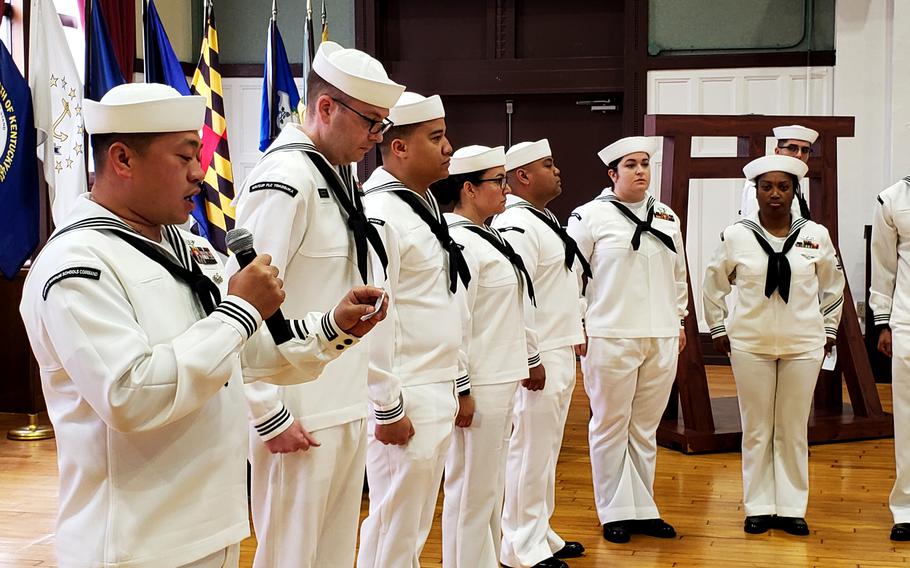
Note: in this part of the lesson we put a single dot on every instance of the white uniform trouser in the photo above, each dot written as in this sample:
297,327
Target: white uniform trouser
225,558
306,504
404,480
900,390
475,479
775,397
628,382
539,419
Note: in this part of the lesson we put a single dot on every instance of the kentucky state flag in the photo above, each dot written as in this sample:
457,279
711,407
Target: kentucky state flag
18,169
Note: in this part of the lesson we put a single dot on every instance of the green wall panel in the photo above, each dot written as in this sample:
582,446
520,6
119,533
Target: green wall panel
718,26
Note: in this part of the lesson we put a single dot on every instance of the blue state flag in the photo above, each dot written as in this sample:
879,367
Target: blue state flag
161,64
279,92
19,218
103,72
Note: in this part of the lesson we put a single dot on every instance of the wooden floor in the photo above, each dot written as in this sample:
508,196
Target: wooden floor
700,495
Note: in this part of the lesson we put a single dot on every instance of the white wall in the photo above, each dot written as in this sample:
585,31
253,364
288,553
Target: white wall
242,100
177,19
714,204
872,83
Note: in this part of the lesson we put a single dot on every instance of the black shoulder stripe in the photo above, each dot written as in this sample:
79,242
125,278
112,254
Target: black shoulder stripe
879,198
74,272
516,229
276,185
376,221
576,215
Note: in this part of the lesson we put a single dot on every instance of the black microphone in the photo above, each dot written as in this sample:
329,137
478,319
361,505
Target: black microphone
240,242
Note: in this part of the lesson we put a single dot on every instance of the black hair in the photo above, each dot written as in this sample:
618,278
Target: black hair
614,165
396,132
101,143
448,190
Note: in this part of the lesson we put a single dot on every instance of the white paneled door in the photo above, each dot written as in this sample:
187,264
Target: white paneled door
714,204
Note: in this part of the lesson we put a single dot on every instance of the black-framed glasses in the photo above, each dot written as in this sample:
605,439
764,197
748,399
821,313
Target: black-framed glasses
376,126
498,180
793,148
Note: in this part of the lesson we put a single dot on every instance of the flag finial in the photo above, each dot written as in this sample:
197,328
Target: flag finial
274,9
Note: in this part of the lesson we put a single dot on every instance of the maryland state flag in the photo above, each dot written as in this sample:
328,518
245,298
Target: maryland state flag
214,213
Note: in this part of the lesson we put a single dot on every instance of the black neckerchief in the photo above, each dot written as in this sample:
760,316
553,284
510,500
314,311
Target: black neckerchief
458,268
184,268
504,248
350,201
642,226
778,276
568,242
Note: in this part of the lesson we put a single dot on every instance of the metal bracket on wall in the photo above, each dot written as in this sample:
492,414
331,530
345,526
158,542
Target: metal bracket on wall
602,105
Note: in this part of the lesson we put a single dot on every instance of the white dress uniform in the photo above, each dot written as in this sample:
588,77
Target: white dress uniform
777,349
636,303
295,216
144,392
499,351
414,367
308,215
140,364
540,416
889,298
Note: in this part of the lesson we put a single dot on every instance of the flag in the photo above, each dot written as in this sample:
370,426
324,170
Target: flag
103,72
214,213
19,217
279,92
161,64
57,102
325,23
309,51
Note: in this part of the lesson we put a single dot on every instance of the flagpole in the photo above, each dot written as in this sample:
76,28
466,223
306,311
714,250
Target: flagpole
275,10
89,8
145,43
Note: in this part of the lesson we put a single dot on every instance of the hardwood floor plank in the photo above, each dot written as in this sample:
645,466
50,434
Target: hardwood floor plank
701,495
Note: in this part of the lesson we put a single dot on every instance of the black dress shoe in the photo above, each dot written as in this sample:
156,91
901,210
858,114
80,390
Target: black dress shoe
572,549
551,562
792,525
617,531
658,528
900,532
757,524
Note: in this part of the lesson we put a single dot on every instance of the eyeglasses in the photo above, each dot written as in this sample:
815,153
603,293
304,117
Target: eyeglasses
498,180
376,126
793,148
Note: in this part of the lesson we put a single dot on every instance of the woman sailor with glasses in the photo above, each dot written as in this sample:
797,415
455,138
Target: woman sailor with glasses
499,352
784,318
795,141
637,301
